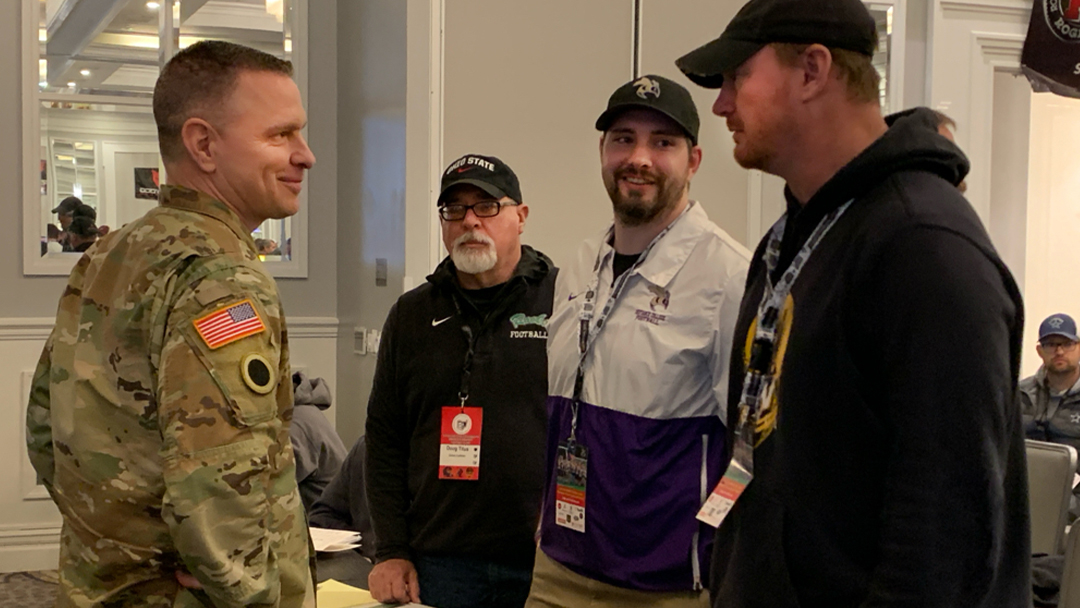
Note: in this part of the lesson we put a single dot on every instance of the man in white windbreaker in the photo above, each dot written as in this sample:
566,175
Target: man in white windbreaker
636,424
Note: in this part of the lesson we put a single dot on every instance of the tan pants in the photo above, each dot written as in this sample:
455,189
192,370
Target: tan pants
556,586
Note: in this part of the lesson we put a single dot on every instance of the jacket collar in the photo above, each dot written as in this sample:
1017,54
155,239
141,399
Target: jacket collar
671,252
1040,379
179,197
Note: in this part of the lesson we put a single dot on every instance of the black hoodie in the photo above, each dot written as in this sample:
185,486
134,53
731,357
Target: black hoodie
895,473
418,372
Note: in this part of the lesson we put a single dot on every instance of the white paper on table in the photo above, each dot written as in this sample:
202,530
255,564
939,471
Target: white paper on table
334,540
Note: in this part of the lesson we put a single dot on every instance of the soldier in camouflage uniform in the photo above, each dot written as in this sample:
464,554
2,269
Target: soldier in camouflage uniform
160,410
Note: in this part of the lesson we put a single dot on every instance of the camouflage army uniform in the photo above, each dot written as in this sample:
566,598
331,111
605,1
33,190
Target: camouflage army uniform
163,453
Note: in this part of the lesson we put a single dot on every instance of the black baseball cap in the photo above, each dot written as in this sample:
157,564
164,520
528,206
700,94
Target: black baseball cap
839,24
485,172
655,93
68,205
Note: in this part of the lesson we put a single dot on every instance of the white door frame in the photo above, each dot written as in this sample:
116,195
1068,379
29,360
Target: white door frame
968,41
107,202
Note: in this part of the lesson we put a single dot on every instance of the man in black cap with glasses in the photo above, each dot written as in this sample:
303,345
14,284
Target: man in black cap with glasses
877,446
455,427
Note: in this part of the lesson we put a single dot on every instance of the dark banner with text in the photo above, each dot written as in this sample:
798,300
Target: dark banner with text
1051,57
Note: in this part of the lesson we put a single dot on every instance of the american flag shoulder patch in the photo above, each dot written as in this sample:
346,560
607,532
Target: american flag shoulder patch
229,324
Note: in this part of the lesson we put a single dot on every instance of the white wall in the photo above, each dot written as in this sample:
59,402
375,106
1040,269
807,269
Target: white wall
516,90
371,182
669,30
1009,171
1053,217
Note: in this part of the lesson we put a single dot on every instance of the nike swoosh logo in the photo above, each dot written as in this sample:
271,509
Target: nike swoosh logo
435,323
572,296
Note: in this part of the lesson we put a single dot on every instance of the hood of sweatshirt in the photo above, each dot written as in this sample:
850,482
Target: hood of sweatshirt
310,391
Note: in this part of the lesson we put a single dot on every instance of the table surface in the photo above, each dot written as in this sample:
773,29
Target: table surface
348,567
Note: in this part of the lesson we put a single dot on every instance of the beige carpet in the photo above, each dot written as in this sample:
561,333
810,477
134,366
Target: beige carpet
28,589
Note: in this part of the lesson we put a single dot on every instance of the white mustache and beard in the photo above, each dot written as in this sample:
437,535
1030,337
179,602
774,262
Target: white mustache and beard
471,260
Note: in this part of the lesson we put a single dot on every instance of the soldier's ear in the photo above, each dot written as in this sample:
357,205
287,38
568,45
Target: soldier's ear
198,136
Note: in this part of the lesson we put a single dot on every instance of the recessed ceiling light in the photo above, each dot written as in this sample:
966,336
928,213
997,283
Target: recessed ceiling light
43,84
153,5
84,72
71,84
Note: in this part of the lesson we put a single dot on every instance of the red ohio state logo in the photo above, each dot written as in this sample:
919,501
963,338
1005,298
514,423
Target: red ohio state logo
1063,17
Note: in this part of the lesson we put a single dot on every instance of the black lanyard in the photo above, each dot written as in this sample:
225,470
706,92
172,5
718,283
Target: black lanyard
470,339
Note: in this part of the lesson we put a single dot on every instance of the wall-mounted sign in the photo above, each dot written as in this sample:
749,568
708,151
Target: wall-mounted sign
146,182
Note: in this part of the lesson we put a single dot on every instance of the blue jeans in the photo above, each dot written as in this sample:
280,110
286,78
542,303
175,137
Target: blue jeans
462,582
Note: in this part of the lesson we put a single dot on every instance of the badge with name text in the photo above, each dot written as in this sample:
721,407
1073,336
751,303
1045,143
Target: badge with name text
571,465
459,445
723,497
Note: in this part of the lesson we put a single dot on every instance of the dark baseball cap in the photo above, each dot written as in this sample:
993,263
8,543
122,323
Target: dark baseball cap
839,24
655,93
1060,324
485,172
68,205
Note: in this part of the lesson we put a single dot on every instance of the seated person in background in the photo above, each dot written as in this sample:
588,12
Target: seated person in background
51,244
318,450
63,213
82,233
1050,399
267,247
343,504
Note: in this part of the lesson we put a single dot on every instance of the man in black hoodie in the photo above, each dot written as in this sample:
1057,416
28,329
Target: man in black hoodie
456,423
878,454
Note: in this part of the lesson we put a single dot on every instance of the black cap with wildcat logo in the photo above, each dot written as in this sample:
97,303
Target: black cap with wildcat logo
654,93
485,172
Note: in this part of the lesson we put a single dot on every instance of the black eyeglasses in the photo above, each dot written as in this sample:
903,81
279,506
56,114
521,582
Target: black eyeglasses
455,212
1053,345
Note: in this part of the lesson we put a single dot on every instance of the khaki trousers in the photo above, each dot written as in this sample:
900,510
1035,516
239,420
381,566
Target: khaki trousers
556,586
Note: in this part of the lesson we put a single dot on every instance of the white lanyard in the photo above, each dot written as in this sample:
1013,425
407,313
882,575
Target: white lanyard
587,331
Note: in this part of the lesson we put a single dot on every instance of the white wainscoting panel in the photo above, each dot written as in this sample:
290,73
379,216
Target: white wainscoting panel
29,522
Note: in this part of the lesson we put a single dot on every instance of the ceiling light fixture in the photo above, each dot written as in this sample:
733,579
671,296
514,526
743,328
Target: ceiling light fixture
84,72
71,84
153,5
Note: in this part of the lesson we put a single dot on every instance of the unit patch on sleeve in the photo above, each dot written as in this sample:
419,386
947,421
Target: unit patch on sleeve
258,373
229,324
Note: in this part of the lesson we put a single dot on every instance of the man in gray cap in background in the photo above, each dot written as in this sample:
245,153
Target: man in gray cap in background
878,451
1051,398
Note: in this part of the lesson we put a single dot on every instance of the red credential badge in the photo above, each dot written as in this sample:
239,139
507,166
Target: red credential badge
459,444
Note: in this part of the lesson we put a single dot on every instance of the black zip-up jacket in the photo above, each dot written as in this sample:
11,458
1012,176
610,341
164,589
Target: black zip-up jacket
895,474
418,372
